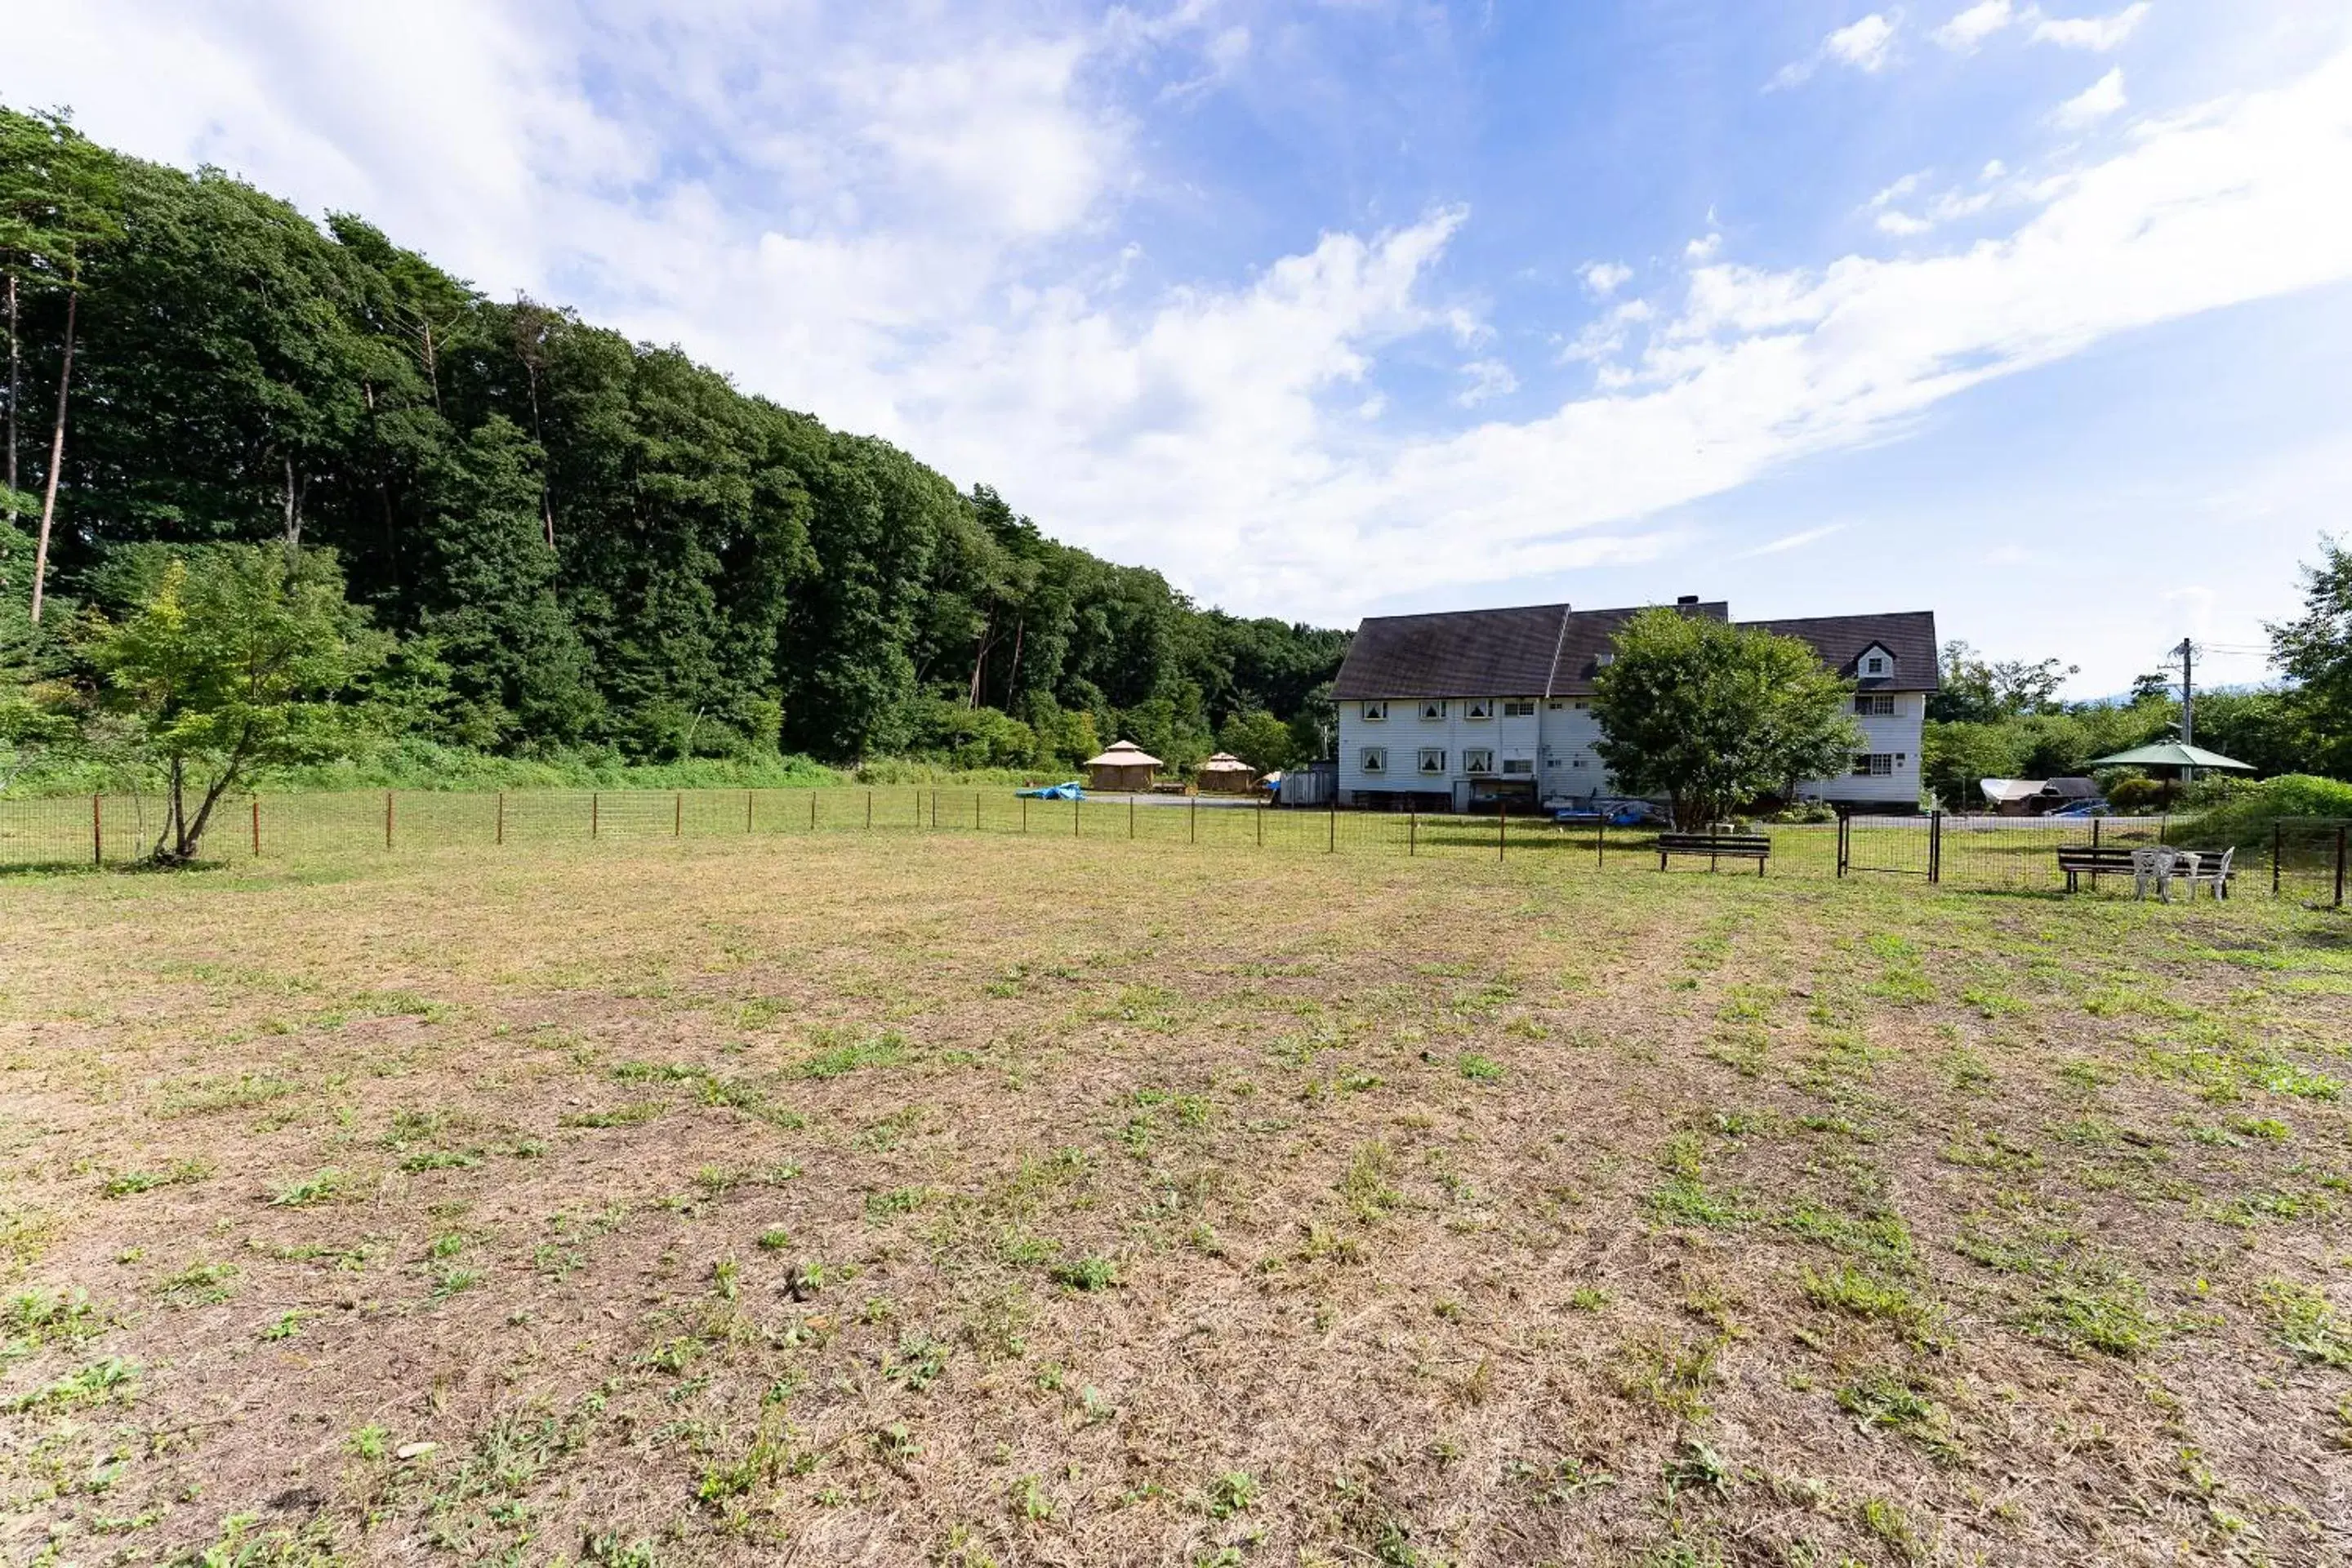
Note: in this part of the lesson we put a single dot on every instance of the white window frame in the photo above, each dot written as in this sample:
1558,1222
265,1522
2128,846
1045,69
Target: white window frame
1518,710
1873,765
1478,760
1376,713
1433,759
1874,704
1879,663
1525,766
1433,709
1478,708
1374,760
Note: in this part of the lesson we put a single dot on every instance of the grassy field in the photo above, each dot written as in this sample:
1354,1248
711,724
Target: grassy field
975,1199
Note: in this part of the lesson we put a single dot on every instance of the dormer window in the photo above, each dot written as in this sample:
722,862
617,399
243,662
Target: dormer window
1875,663
1375,713
1478,708
1603,660
1433,709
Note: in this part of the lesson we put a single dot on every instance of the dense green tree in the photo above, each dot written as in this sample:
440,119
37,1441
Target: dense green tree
1259,739
235,658
602,543
1711,715
2314,650
1978,691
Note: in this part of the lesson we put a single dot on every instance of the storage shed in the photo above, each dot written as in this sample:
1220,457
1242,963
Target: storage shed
1126,766
1225,773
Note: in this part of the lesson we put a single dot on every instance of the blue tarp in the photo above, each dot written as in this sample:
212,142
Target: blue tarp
1070,791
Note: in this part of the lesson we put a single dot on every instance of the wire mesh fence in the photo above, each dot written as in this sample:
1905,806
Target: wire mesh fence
2306,859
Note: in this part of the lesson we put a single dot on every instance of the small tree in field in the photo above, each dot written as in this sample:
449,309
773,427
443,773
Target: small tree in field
234,660
1259,739
1710,714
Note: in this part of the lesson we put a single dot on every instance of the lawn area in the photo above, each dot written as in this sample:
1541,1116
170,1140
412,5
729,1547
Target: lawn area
981,1199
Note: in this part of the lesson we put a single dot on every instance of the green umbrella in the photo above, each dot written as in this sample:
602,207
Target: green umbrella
2169,754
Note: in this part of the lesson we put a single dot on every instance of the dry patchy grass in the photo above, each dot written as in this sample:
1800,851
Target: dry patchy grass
998,1201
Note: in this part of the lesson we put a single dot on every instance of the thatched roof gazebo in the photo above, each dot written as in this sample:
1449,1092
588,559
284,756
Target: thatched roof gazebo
1225,773
1125,766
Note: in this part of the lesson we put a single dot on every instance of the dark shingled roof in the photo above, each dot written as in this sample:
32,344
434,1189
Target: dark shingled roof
1538,650
1453,653
1908,635
1532,650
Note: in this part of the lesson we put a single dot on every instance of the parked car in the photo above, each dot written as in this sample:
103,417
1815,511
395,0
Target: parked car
2082,808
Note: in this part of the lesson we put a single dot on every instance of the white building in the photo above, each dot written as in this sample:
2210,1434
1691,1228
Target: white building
1453,711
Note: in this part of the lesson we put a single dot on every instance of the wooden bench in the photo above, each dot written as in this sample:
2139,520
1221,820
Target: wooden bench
1753,847
2116,860
2109,860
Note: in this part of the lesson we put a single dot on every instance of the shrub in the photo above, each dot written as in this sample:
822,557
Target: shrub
2245,819
2135,794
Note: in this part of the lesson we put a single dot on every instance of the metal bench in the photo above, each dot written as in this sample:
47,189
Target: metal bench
1753,847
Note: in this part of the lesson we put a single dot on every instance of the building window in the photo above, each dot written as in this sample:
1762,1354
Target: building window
1433,709
1603,660
1478,708
1376,759
1874,665
1518,764
1873,765
1881,703
1480,759
1374,713
1576,764
1433,760
1518,710
1556,706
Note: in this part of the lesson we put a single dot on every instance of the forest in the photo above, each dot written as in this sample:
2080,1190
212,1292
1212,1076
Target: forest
577,545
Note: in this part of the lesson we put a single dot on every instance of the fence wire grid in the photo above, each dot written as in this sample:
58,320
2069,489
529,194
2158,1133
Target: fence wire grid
2306,859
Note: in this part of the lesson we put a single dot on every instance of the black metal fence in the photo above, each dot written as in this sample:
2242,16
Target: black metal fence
2305,859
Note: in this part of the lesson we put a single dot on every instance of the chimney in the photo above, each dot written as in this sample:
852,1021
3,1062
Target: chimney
1685,601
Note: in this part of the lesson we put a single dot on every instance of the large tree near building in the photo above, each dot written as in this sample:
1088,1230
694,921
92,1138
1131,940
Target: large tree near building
2314,650
1711,715
236,657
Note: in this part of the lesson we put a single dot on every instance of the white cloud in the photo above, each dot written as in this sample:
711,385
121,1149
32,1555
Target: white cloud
1788,541
1968,28
1605,277
849,246
1867,46
2093,103
1489,378
2100,34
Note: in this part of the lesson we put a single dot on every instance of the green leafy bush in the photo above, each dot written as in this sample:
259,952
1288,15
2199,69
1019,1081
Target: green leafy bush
2245,821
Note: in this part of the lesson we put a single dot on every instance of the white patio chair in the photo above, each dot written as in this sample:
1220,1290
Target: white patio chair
2212,871
2152,868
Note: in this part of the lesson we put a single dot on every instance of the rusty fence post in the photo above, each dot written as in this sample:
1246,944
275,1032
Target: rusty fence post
975,811
1331,839
256,827
1196,819
97,832
502,816
595,810
387,819
2277,841
678,815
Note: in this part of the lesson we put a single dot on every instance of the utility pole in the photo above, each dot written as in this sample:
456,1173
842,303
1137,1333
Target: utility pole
2187,650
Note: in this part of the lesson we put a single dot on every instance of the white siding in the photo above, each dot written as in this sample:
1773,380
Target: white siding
1897,734
1562,738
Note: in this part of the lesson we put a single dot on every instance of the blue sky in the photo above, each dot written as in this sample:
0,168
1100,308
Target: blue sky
2038,316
